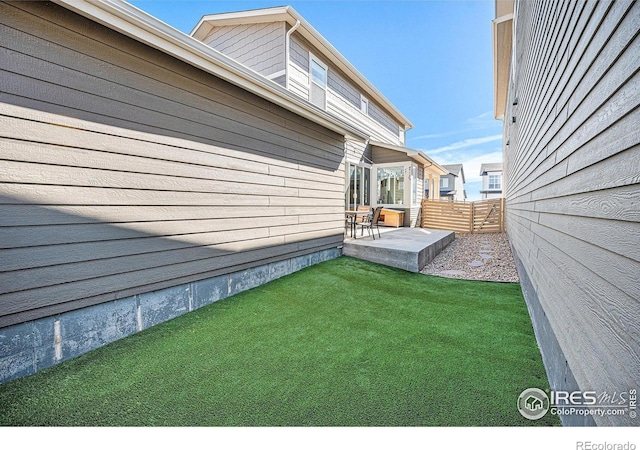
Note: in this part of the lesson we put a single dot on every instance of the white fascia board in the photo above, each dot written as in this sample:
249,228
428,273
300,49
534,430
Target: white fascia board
136,24
265,15
306,30
318,41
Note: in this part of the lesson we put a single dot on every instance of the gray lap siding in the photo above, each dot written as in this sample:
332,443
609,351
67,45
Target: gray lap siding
572,189
260,46
124,170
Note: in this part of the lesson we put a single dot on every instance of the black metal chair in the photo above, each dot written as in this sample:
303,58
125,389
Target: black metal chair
371,223
348,223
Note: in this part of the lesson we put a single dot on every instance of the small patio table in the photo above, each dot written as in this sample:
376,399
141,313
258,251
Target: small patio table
351,216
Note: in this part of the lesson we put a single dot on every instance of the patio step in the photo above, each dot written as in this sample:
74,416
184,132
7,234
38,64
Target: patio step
404,248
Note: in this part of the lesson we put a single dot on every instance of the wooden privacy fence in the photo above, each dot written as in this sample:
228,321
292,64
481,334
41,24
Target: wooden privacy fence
484,216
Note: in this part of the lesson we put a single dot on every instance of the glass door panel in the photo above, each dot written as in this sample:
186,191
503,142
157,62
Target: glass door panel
351,205
366,183
358,187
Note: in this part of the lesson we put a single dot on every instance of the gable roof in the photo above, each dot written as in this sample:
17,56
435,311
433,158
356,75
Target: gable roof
455,169
137,24
490,167
292,17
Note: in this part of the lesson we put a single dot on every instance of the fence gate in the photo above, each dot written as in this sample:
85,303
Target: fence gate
484,216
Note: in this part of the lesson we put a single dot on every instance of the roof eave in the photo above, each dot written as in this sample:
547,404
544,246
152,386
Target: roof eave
291,16
502,41
279,13
137,24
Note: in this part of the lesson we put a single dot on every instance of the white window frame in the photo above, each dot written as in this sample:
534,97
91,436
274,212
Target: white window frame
411,171
360,182
498,177
312,59
413,175
364,105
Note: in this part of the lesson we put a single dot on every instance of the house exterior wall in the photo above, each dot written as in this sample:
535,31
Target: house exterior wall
127,171
451,180
260,46
358,152
343,98
451,186
572,191
454,191
491,193
299,79
459,186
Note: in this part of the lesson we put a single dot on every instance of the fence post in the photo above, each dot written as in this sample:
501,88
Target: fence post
472,217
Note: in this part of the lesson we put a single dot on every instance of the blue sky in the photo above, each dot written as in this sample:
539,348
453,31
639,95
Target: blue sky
431,59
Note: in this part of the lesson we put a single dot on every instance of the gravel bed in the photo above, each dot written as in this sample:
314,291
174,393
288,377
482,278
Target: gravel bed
484,257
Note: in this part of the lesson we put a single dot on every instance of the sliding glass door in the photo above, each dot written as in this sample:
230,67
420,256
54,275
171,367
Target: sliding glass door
358,187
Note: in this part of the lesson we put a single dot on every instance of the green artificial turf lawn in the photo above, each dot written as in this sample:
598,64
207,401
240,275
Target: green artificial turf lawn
342,343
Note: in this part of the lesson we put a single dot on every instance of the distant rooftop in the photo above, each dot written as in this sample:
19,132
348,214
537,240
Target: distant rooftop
490,167
455,169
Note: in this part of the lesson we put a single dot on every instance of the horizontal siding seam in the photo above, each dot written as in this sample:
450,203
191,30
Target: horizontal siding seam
157,80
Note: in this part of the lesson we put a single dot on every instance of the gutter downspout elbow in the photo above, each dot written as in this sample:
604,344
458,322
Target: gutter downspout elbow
287,50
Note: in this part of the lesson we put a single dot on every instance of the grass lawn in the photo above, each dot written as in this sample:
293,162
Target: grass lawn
342,343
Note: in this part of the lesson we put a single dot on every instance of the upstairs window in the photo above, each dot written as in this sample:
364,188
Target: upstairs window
318,85
364,105
444,183
494,182
319,73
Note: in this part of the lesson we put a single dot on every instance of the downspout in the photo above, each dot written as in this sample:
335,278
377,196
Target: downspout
287,50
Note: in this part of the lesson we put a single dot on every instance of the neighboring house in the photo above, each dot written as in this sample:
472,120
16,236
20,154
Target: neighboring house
452,184
571,154
145,174
282,46
491,174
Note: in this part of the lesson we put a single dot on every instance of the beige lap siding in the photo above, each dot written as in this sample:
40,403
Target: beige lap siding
124,170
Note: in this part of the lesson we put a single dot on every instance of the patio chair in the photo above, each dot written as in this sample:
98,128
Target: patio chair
363,218
372,223
348,224
351,222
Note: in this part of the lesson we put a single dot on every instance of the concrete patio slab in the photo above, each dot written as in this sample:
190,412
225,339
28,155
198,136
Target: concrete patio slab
404,248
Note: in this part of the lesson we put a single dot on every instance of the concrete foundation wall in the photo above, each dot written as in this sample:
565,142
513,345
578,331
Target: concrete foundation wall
29,347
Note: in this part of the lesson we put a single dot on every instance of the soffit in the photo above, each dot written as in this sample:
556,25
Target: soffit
415,155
